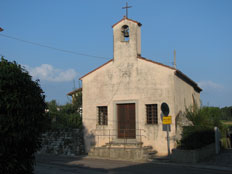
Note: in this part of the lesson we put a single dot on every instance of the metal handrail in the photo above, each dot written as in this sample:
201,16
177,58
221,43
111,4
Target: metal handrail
114,131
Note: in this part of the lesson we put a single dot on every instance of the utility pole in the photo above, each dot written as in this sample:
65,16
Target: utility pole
174,58
74,84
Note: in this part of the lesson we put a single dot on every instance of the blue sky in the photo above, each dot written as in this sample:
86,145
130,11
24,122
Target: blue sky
199,30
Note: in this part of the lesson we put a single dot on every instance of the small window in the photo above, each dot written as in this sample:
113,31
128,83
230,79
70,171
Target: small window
102,115
152,114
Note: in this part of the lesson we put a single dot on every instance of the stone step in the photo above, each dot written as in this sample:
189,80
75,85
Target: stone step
147,147
129,144
128,153
152,153
117,153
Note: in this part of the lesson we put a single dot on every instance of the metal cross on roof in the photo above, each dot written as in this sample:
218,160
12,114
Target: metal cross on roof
126,9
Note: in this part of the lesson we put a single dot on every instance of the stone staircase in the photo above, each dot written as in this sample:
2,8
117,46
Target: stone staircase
132,151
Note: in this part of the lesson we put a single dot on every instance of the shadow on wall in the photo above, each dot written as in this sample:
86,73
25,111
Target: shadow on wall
89,139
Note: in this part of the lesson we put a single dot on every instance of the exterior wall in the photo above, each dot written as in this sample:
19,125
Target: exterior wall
140,82
184,97
156,85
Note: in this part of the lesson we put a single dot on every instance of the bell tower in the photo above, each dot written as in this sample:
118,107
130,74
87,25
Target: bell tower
127,39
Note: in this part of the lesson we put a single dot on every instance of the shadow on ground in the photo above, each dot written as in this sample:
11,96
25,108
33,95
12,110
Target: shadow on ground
83,164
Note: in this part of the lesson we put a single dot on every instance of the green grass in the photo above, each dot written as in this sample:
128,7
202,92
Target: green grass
227,122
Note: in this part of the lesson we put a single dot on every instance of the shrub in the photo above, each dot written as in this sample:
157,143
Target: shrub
22,118
194,137
201,131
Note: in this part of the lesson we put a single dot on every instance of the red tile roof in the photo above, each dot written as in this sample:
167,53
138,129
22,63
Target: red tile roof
74,91
188,80
139,24
142,58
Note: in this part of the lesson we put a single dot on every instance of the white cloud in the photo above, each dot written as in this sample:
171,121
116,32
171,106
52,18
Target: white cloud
49,73
210,85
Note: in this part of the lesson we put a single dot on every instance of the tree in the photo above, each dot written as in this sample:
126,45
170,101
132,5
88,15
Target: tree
22,118
207,117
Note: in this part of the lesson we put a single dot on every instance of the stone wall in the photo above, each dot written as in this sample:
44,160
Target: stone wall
63,142
193,156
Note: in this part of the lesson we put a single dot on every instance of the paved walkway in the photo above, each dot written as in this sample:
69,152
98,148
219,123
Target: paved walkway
221,162
83,161
224,159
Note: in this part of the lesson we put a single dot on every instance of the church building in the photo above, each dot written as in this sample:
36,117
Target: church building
122,98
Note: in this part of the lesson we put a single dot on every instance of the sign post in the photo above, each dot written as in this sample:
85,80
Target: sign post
167,120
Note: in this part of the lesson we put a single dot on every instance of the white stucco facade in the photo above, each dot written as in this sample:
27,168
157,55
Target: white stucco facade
130,78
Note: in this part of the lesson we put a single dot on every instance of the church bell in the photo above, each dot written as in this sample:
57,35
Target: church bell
126,33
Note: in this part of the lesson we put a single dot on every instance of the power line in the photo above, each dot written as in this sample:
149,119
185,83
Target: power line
53,48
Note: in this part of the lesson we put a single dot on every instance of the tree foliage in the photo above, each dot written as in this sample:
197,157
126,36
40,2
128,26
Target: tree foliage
226,113
64,116
22,118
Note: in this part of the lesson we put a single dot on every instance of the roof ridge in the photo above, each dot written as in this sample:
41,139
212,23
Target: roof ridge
178,73
96,69
156,62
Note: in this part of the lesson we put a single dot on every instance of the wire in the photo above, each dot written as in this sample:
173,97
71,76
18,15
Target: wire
53,48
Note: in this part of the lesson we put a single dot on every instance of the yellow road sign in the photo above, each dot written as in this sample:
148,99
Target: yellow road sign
167,120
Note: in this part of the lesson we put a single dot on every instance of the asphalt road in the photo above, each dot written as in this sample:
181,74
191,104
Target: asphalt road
97,166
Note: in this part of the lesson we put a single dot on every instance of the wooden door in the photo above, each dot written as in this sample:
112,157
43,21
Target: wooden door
126,120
